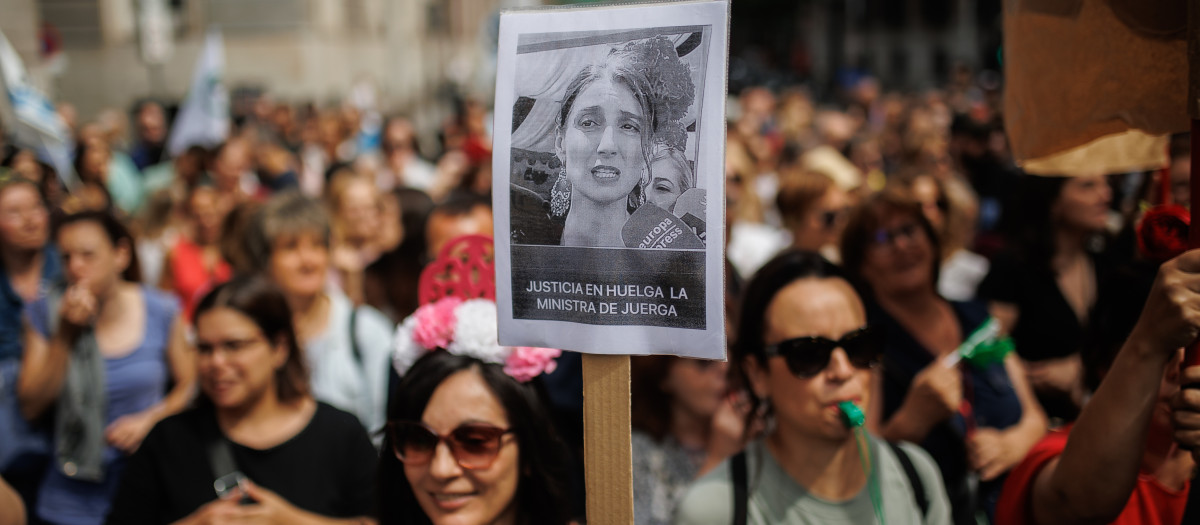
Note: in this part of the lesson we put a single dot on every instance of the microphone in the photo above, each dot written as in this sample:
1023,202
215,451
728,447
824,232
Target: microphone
691,208
652,227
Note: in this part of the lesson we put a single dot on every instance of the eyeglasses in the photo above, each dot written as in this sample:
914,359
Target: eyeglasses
230,345
808,356
885,237
473,445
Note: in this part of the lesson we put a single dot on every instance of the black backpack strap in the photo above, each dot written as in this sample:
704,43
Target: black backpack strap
354,336
741,498
914,479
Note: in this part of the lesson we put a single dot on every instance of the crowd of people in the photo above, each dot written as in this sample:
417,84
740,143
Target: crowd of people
239,332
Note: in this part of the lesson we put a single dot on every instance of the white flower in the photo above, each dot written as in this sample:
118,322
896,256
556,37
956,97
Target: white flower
405,350
475,332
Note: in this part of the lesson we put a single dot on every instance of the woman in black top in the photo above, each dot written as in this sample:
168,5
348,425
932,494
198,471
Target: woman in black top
1043,289
302,461
976,421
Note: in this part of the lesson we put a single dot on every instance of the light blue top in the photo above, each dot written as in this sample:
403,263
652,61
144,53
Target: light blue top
133,383
337,377
124,183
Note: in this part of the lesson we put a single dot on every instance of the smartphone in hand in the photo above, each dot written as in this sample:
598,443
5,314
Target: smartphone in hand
231,485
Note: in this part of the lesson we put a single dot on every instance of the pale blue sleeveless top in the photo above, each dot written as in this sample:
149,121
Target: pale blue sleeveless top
133,383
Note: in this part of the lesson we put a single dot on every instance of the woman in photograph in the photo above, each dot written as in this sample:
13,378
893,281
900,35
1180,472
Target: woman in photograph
610,119
671,175
302,461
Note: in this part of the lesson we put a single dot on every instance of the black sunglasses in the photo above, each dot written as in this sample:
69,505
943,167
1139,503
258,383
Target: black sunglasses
808,356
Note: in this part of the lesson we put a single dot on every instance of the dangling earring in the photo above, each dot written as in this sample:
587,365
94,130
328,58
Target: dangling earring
637,196
560,194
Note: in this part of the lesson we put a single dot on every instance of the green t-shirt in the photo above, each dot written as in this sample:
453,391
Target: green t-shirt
775,498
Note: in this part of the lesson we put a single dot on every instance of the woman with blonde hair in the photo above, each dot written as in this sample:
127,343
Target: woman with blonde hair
360,235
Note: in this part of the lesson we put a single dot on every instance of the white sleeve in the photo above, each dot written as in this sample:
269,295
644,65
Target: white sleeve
374,336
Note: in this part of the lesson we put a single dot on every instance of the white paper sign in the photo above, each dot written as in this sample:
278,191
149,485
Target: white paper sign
609,146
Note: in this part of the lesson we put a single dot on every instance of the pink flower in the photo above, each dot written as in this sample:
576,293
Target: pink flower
434,327
525,362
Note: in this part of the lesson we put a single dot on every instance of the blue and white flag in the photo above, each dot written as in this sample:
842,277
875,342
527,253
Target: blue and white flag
29,116
204,118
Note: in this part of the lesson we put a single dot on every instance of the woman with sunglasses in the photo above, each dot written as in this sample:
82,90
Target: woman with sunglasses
804,349
977,422
813,209
256,447
470,439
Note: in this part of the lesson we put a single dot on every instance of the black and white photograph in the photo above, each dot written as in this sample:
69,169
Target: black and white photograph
601,130
615,142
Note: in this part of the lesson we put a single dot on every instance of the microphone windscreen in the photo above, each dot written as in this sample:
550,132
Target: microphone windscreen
693,201
691,208
652,227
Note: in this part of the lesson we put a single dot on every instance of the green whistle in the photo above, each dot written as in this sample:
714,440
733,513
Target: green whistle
983,348
990,352
852,416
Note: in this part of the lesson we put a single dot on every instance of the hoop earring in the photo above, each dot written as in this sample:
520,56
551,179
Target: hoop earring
560,194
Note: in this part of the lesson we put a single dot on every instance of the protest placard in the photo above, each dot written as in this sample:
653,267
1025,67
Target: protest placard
609,148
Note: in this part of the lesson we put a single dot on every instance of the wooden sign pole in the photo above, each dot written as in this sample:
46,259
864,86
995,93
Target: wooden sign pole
607,454
1193,102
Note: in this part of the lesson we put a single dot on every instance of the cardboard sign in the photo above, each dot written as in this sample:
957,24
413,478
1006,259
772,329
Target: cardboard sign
606,118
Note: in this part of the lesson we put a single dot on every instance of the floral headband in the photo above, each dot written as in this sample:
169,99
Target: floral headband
458,315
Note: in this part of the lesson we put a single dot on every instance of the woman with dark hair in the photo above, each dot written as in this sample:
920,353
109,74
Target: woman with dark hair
806,352
951,208
391,281
501,462
611,117
99,356
891,249
685,423
194,263
257,446
94,163
1043,289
